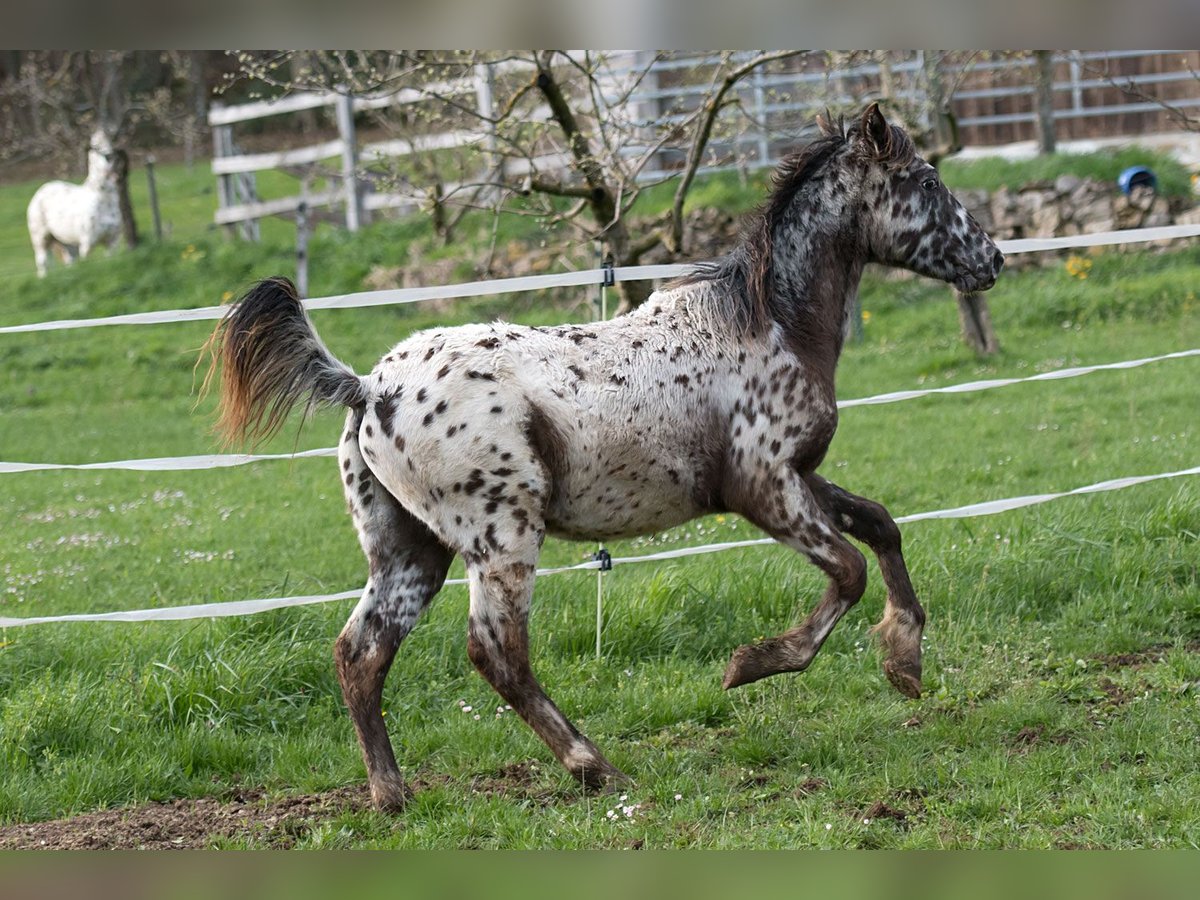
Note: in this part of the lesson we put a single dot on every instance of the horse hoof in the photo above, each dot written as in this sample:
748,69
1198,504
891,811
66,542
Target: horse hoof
752,662
904,679
605,781
391,796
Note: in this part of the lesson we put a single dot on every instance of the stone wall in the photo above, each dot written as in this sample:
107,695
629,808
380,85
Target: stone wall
1070,205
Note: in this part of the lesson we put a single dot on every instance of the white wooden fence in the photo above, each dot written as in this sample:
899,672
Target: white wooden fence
775,105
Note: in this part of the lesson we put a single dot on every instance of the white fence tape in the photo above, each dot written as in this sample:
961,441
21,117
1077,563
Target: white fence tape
493,287
563,279
1101,239
250,607
171,463
225,460
989,383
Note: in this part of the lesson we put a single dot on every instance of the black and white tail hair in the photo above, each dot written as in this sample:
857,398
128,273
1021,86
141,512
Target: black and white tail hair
273,359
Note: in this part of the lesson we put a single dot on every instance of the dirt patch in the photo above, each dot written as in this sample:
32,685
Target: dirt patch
1153,654
1032,735
900,808
881,810
810,786
526,780
189,824
1114,694
277,822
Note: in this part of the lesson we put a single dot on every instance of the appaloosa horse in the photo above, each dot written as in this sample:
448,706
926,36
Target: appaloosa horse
716,395
74,218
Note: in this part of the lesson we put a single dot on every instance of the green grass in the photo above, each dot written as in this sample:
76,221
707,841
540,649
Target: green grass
991,173
1027,736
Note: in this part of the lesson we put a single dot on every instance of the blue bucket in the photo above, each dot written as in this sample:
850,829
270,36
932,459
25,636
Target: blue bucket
1137,176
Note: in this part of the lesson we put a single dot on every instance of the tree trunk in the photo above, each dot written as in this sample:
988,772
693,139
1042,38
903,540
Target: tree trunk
198,114
976,321
632,294
1045,101
128,224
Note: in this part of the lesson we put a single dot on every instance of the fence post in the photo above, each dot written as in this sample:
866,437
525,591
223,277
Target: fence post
246,188
153,197
760,114
302,249
1076,88
344,106
222,147
484,83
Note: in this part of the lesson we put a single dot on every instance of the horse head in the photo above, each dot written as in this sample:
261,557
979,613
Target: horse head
908,216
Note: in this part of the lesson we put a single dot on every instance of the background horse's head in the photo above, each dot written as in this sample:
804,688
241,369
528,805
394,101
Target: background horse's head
100,156
907,216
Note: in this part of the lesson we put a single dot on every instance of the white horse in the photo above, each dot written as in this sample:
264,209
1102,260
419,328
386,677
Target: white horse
74,218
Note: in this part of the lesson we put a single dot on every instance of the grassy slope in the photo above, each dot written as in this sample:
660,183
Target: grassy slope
992,173
1025,738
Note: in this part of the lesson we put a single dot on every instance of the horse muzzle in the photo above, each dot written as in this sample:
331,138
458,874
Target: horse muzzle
982,277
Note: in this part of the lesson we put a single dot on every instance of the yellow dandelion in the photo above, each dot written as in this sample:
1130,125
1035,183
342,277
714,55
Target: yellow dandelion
1078,267
227,296
866,316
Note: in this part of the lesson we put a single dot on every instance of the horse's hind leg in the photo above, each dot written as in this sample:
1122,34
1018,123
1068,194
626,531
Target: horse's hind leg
498,645
903,618
407,567
784,507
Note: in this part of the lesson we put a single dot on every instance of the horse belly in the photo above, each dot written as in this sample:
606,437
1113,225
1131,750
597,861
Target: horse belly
626,492
626,510
63,210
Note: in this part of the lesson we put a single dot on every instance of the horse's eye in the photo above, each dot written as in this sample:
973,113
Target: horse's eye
929,184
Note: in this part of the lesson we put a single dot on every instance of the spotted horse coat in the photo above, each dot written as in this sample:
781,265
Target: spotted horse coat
716,395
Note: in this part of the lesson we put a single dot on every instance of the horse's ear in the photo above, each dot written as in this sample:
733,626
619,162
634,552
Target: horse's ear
825,124
876,132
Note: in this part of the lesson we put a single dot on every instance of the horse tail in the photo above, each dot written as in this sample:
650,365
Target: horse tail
272,359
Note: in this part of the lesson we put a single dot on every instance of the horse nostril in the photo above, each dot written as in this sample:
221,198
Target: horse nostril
997,262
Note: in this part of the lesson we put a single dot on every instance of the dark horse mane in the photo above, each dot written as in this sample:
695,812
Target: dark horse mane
745,275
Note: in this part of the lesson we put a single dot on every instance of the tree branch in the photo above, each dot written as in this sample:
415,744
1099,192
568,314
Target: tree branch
543,185
712,108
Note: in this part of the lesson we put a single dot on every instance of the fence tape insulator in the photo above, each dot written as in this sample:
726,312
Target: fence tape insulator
250,607
224,460
499,286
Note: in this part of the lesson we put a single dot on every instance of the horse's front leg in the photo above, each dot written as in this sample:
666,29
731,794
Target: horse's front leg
783,505
903,618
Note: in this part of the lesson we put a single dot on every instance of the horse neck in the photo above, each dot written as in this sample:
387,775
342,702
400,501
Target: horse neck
97,176
816,267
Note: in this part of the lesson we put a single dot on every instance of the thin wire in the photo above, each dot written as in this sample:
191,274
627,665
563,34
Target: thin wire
249,607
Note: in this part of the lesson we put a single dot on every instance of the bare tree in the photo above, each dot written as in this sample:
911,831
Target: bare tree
1045,100
916,89
562,136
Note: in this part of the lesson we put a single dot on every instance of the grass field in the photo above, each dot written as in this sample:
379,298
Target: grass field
1062,702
